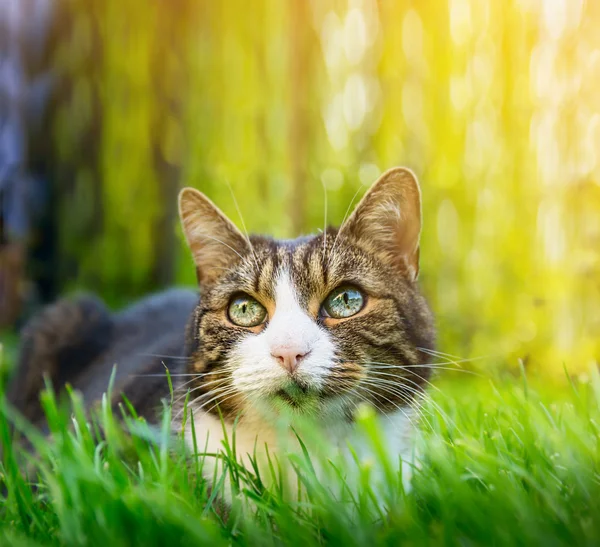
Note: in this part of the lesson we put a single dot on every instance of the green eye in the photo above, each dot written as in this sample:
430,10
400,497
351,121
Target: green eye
343,302
245,311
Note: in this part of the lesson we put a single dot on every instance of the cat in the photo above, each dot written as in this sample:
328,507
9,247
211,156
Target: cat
311,327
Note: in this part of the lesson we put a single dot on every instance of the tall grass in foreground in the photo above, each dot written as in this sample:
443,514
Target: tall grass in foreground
501,464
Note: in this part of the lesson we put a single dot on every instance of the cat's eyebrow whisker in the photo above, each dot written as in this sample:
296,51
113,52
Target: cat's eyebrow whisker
335,241
239,212
324,215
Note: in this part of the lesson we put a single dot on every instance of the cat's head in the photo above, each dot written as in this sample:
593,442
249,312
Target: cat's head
318,324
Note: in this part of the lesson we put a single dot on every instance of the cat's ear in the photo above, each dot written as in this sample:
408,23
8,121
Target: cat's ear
214,240
387,220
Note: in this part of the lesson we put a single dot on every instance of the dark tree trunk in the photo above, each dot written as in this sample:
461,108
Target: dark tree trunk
169,59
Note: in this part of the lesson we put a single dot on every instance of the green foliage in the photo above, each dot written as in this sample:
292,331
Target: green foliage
508,466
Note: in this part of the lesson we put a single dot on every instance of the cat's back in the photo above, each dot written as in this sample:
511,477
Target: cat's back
79,341
148,337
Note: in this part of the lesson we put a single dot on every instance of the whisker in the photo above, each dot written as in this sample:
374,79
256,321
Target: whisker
423,395
427,365
164,356
200,377
180,388
222,243
393,389
437,352
430,366
244,397
324,215
379,373
389,400
335,241
414,401
453,358
203,384
158,375
206,384
239,212
227,394
371,403
418,392
455,362
187,391
225,390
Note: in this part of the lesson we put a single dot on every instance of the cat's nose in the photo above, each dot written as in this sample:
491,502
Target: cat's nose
289,357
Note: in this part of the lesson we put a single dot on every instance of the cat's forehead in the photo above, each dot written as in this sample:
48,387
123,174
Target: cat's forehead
312,266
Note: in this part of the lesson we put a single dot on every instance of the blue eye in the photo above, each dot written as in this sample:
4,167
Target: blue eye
246,311
345,301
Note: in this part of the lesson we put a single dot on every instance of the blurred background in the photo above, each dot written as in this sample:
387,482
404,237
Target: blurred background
108,107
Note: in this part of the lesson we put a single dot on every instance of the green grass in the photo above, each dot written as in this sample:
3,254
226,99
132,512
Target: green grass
502,465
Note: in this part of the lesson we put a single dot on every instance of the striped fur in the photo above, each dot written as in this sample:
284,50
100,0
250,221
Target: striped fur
375,250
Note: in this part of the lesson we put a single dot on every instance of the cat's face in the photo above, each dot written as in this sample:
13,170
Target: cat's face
315,325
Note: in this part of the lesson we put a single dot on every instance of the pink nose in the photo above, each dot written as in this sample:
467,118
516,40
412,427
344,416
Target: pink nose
288,357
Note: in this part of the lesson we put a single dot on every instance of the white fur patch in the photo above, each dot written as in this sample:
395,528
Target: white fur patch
257,376
253,435
256,372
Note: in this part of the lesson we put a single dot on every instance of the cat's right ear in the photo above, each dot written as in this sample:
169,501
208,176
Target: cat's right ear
215,242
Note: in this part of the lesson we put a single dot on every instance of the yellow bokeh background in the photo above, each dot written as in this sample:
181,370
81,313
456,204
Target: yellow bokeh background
294,107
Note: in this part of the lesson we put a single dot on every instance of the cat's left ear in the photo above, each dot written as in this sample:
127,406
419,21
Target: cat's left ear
387,221
215,242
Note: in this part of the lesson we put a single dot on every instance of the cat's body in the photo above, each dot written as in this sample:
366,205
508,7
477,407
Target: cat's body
313,327
79,341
